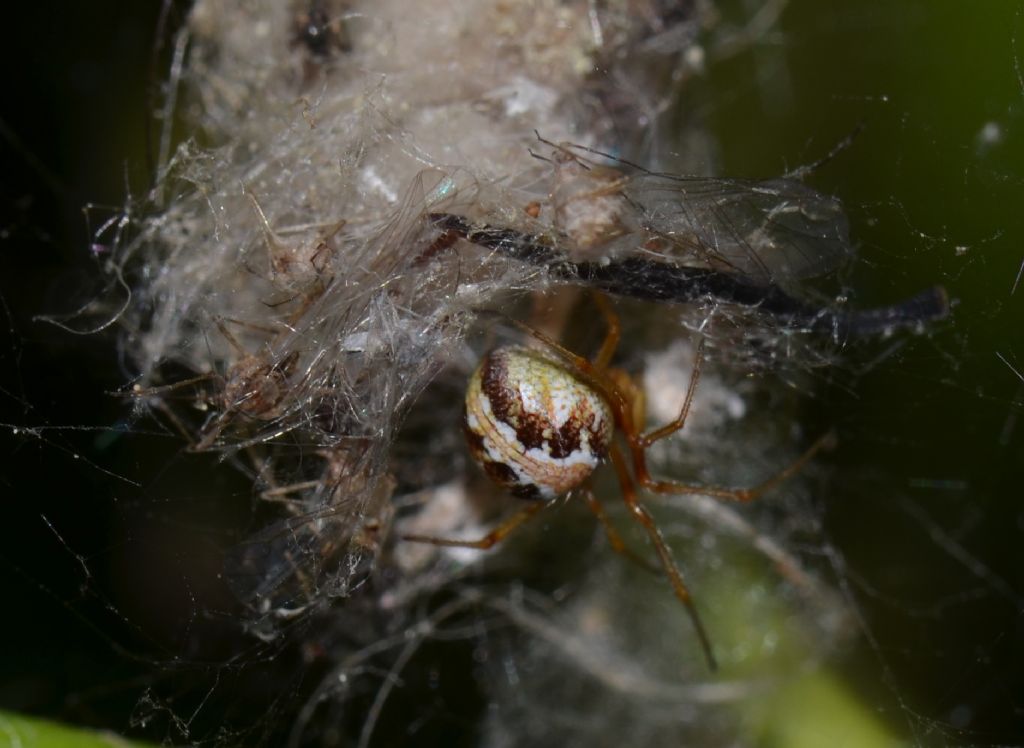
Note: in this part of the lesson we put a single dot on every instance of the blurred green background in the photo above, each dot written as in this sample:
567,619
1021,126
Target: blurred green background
923,525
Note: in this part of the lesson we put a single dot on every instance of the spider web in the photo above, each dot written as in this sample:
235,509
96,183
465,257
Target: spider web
883,576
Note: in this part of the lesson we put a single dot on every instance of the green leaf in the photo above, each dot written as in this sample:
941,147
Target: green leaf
17,731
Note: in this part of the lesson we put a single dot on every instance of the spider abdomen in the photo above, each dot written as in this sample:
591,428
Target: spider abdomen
533,425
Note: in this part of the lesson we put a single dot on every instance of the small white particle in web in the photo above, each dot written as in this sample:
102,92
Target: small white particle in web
666,377
991,133
375,183
695,58
524,96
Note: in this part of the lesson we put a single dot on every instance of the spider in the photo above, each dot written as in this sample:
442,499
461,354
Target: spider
540,421
254,387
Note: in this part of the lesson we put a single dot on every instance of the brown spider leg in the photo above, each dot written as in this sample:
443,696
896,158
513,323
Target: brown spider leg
277,493
643,475
638,444
174,421
668,429
243,323
492,538
230,337
138,390
211,431
611,337
614,538
641,515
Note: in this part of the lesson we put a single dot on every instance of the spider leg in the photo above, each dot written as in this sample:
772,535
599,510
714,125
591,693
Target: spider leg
492,538
138,390
643,475
641,515
638,444
145,393
230,337
211,432
614,538
232,340
612,336
174,421
668,429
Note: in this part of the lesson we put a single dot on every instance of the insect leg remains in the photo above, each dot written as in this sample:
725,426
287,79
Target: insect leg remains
492,538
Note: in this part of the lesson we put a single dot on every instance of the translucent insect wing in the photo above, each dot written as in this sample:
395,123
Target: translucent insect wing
774,232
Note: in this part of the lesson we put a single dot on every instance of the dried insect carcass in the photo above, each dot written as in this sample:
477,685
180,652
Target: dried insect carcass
619,228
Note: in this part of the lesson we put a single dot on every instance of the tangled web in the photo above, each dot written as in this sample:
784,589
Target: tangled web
361,207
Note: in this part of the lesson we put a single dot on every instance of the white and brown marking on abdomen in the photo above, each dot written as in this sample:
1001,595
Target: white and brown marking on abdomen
533,426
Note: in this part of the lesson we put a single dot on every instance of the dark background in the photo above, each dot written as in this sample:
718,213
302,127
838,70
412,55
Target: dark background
87,532
926,502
